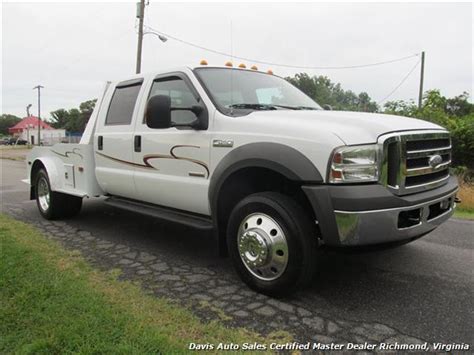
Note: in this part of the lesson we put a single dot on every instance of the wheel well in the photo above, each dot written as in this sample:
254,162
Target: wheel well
248,181
37,165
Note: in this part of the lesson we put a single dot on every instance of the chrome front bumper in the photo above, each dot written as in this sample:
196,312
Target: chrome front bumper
393,224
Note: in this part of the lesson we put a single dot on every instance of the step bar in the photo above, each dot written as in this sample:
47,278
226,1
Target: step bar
163,213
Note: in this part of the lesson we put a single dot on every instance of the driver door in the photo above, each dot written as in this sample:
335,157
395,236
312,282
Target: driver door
172,164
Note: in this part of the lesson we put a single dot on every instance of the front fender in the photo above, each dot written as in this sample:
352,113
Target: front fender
280,158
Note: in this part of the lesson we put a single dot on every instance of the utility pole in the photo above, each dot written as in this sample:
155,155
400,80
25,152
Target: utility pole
140,15
422,75
39,87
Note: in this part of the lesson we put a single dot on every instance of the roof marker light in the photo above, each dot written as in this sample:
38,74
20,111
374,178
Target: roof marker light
228,64
242,66
269,71
254,67
203,62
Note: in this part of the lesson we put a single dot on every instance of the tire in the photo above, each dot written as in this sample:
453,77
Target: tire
54,205
274,232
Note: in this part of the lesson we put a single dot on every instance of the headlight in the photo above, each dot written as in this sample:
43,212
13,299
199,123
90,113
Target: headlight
352,164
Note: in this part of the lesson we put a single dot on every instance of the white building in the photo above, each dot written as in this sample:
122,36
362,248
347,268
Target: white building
27,129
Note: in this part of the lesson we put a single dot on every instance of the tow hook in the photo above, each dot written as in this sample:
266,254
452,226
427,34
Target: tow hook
457,200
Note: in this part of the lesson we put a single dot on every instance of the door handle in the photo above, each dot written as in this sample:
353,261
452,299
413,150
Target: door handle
137,143
100,142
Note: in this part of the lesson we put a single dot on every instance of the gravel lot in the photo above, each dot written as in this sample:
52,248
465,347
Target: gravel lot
416,293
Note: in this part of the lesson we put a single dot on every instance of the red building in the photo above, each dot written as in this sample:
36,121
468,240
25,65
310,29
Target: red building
27,129
30,122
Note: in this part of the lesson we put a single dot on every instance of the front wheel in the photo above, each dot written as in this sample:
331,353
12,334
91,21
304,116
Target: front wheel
272,243
51,204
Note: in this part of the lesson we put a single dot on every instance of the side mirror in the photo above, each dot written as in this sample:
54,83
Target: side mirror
158,112
327,107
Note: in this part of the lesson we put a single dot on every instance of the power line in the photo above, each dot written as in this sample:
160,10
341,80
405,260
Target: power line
151,30
400,84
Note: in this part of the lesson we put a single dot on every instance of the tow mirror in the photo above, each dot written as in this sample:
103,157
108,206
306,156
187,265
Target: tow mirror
158,112
327,107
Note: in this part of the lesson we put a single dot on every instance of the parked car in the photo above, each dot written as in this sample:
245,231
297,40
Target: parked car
248,156
17,141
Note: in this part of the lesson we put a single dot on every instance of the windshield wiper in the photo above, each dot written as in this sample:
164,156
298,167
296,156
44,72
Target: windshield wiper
253,106
269,107
306,108
264,106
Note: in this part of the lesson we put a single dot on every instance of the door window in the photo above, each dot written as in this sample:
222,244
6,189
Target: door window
181,96
122,105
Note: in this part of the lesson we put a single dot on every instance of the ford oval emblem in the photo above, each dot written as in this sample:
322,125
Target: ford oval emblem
435,161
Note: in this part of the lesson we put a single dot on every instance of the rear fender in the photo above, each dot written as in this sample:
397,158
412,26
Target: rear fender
54,168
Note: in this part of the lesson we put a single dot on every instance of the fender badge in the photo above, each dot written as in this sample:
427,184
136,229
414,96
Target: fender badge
222,143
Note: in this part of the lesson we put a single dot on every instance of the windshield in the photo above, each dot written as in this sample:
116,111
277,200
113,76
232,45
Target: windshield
238,92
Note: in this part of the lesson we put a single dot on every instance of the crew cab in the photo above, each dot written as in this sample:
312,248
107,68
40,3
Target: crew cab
252,159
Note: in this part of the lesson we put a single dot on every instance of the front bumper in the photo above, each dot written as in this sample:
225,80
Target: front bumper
369,214
395,224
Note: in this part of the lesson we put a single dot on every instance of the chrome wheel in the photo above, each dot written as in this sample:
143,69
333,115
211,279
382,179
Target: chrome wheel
43,194
262,246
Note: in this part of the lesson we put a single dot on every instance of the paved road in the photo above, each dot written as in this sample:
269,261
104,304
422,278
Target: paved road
419,292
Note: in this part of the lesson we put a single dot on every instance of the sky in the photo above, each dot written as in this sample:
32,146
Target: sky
73,48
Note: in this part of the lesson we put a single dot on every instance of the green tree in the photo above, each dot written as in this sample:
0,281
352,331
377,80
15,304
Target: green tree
401,108
325,92
86,109
455,114
7,121
59,118
459,105
73,120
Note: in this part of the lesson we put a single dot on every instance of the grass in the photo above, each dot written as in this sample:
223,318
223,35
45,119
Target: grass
14,152
462,213
53,301
465,210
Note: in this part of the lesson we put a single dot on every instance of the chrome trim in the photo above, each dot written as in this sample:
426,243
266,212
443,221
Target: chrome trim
428,168
400,209
222,143
429,150
43,194
432,184
380,226
398,186
262,246
422,154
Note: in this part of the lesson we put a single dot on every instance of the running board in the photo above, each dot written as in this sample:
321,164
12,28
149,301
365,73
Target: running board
164,213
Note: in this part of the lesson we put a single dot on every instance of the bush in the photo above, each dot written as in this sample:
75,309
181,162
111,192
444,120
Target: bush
455,114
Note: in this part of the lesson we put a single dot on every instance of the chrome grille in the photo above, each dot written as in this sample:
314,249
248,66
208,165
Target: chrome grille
415,161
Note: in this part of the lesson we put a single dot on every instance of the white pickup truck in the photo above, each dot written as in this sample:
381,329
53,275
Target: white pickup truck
248,156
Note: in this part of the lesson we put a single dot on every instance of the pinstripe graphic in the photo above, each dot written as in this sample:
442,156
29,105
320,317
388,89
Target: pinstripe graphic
66,154
172,155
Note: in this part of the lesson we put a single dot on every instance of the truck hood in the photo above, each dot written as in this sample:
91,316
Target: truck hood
350,127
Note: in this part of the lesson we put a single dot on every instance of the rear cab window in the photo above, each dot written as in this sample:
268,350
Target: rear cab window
123,102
